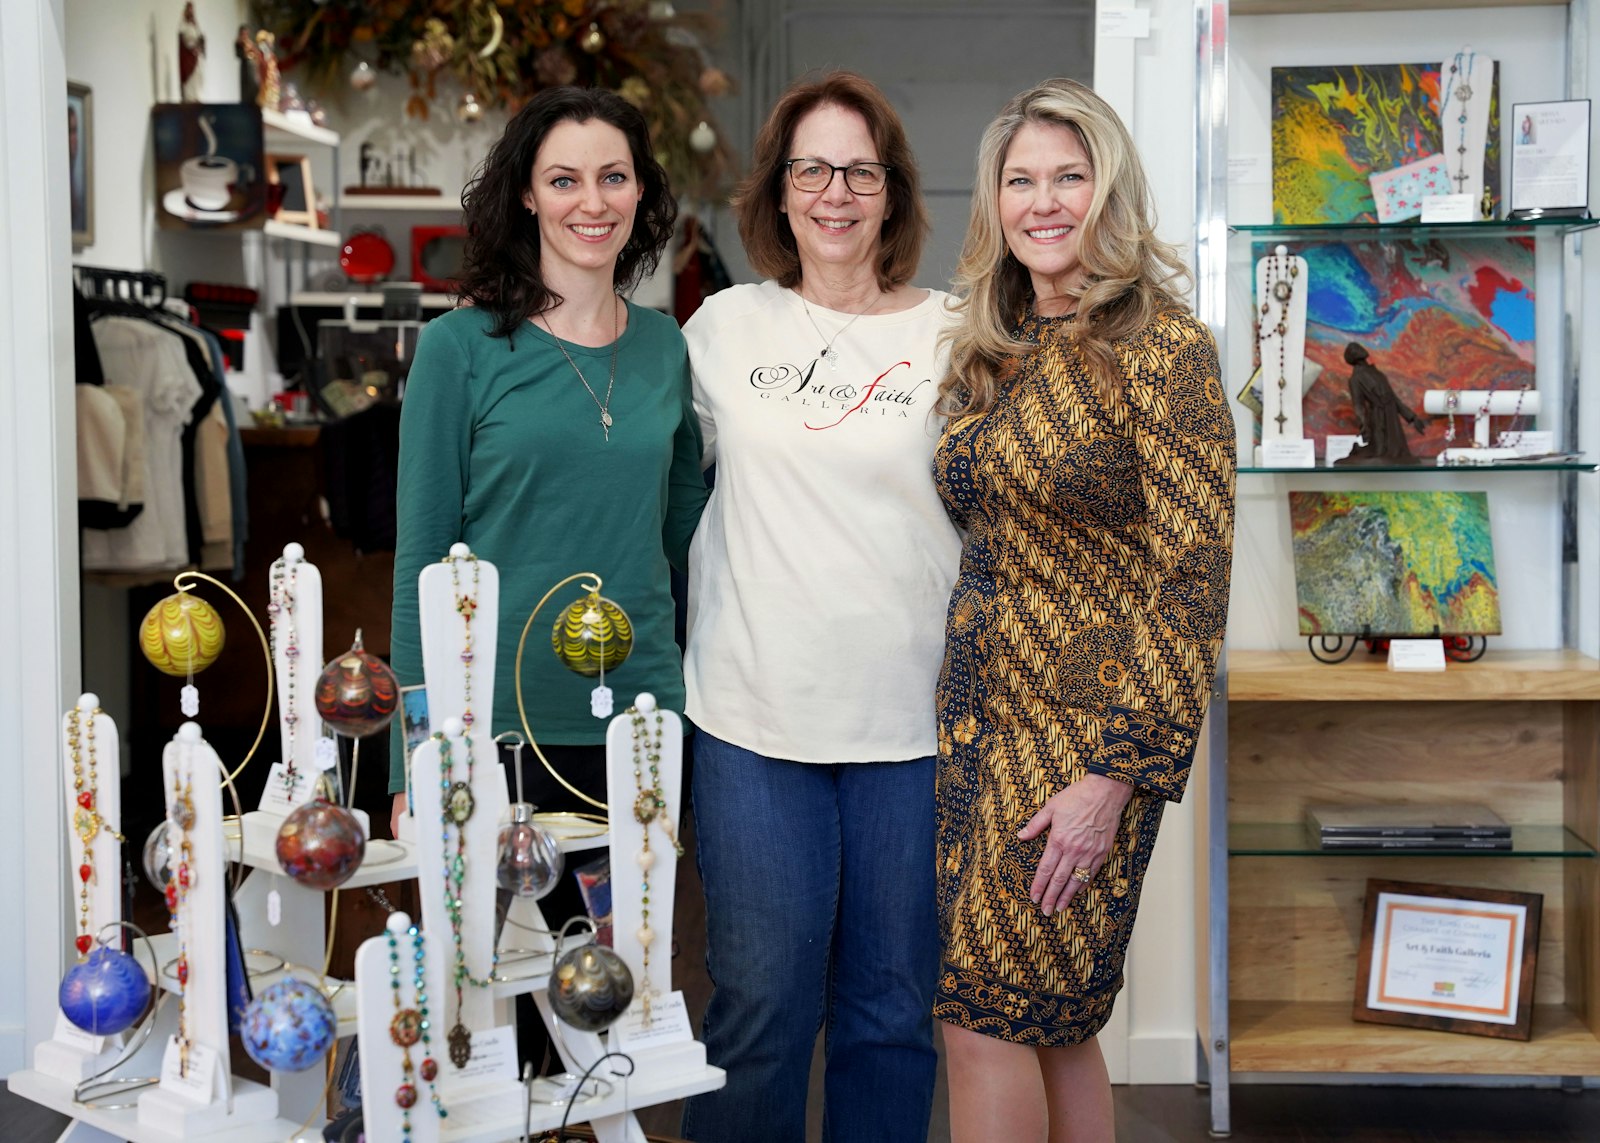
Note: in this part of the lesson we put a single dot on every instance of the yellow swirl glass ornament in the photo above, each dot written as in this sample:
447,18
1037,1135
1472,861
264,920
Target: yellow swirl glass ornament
181,635
592,635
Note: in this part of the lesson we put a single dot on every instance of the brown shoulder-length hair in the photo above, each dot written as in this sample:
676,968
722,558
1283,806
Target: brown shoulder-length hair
768,239
1129,275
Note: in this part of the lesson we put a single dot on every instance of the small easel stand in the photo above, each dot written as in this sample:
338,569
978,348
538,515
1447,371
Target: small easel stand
1466,85
198,1094
1480,405
294,614
1281,282
72,1054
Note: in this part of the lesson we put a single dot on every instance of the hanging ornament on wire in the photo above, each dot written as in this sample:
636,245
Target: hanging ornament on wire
703,139
528,861
591,635
104,993
289,1027
181,635
469,110
356,693
320,844
363,76
590,987
593,40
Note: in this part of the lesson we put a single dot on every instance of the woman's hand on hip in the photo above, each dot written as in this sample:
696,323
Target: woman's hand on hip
1081,821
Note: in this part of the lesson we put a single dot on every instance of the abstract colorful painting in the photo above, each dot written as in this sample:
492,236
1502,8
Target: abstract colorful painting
1434,314
1394,563
1333,127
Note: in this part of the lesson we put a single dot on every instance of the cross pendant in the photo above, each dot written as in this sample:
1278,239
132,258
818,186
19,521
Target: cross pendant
1281,419
831,356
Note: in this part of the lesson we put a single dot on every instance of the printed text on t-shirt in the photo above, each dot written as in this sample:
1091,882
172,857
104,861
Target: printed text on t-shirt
788,383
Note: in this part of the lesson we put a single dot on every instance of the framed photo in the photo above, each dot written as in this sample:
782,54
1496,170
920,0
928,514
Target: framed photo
289,183
1448,958
1550,158
80,156
209,166
414,719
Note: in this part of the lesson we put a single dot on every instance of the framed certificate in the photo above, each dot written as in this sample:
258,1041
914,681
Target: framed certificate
1448,958
1549,158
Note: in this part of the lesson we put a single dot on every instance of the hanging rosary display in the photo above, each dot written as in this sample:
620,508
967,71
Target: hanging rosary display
181,815
86,820
1458,93
281,623
410,1027
1282,270
457,804
466,607
649,806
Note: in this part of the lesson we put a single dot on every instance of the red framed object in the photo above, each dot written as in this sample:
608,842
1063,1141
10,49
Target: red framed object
436,256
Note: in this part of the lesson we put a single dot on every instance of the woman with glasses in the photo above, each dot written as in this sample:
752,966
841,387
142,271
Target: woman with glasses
1089,457
817,588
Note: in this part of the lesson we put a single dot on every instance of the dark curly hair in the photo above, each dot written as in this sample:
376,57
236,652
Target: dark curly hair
501,272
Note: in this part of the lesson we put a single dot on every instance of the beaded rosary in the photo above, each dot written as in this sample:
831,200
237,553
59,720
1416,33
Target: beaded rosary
182,815
280,613
1280,288
86,821
409,1027
1461,88
457,805
1512,437
466,607
649,805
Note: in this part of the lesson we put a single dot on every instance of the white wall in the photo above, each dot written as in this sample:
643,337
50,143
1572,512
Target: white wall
1525,526
38,533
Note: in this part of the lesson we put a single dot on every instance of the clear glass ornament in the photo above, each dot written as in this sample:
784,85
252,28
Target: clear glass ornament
528,862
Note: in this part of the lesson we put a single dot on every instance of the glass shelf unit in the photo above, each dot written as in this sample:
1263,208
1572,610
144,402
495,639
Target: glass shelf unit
1425,469
1292,839
1400,231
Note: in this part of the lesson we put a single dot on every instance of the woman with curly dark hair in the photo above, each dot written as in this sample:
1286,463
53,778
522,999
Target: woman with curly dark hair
547,422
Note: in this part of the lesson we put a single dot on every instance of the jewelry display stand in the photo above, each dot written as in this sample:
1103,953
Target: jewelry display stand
665,1038
383,1060
207,1098
1480,405
72,1054
1466,82
1281,282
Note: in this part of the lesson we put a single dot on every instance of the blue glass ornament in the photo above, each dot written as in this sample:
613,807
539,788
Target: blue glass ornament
104,993
289,1027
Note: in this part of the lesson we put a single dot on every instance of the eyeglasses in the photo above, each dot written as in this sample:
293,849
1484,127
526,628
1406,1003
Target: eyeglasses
812,175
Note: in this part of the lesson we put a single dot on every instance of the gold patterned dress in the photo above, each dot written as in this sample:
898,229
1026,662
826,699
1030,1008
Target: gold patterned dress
1082,638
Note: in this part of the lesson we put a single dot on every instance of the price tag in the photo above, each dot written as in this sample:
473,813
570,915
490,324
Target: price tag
73,1036
277,797
669,1024
1336,447
327,753
189,700
1301,453
1531,443
493,1062
195,1081
1124,23
274,908
1416,654
1449,208
600,702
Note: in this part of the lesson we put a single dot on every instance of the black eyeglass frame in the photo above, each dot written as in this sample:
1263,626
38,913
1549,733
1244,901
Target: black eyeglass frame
833,170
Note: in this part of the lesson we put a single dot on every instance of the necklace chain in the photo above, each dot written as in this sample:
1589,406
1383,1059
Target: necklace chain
86,821
649,806
828,353
281,619
616,341
1280,288
467,608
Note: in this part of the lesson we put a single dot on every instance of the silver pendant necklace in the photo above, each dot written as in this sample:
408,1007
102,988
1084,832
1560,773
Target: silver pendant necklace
616,341
828,353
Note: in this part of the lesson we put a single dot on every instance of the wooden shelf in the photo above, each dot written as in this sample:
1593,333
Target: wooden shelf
1309,7
1310,1036
295,232
279,123
1294,676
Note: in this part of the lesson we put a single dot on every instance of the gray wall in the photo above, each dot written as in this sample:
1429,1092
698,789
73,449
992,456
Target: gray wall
948,68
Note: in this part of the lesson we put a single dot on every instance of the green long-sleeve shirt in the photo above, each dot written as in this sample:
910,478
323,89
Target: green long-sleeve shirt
501,447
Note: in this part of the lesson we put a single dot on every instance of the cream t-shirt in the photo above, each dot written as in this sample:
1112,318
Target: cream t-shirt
820,575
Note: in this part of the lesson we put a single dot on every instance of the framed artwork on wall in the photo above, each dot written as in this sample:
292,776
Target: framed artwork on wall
290,197
80,156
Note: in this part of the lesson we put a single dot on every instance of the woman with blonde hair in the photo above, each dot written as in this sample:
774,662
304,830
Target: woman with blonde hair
1088,455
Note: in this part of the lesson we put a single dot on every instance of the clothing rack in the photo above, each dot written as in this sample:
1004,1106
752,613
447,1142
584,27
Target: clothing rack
143,286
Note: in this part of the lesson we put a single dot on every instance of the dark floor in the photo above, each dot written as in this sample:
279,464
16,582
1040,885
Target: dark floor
1261,1115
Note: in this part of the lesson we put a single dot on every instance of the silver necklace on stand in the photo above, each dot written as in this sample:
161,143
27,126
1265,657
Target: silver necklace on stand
1460,86
828,353
616,341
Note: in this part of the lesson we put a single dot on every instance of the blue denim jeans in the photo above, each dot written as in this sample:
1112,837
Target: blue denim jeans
819,883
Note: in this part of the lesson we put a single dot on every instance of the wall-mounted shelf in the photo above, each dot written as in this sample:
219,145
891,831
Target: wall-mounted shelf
415,203
278,122
1401,231
294,232
1294,839
362,297
1428,469
1296,7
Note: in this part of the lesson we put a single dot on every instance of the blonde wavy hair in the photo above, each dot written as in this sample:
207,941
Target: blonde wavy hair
1129,275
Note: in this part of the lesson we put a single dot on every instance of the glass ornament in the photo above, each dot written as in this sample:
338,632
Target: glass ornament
158,858
469,110
590,987
104,993
591,635
528,862
357,694
593,39
182,635
703,139
320,845
289,1027
363,76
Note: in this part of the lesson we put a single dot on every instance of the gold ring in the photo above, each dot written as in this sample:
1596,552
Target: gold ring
1081,873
